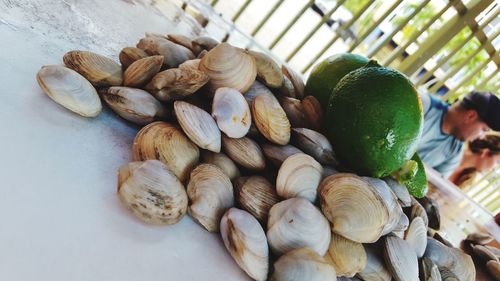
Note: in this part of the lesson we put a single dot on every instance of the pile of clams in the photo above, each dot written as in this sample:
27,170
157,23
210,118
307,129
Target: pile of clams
230,137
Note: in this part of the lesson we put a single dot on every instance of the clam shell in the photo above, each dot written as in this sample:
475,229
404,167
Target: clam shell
245,152
346,256
271,120
203,43
416,210
152,192
400,191
447,275
69,89
294,111
173,54
416,236
181,40
430,271
400,259
257,89
495,251
454,260
494,269
277,154
198,125
314,144
402,224
130,54
191,64
202,54
299,176
375,269
256,195
246,241
165,142
267,69
302,264
354,207
210,194
99,70
230,67
296,79
296,223
313,113
483,253
176,83
140,72
479,238
134,105
223,162
231,112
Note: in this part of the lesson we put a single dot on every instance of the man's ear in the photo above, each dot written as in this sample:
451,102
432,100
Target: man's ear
471,115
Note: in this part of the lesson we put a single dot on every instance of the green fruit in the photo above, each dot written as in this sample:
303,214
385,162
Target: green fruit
374,119
417,185
325,75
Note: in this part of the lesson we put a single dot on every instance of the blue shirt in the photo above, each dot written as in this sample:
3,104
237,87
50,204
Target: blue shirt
438,150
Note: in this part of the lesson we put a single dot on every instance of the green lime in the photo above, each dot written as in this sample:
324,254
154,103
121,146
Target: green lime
374,119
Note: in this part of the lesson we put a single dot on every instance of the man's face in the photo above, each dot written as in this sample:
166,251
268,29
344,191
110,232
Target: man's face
471,127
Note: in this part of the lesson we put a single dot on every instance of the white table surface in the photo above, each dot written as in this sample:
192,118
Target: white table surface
60,218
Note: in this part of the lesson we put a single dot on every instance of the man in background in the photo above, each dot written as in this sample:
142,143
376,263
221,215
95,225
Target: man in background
447,127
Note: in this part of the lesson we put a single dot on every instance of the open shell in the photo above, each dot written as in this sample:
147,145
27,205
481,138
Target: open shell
346,256
354,207
268,70
142,71
231,112
173,54
99,70
134,105
271,120
296,79
256,195
152,192
314,144
223,162
416,236
211,193
296,223
454,260
167,143
230,67
246,241
302,264
176,83
375,269
198,125
299,176
130,54
400,259
277,154
245,152
69,89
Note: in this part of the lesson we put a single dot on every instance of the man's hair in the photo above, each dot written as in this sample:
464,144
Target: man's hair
490,142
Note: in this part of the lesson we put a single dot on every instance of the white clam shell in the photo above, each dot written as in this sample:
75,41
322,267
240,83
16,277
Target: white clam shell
299,176
301,265
296,223
231,112
375,269
211,193
267,69
314,144
277,154
400,259
222,161
416,236
152,192
256,195
246,241
346,256
245,152
98,69
69,89
271,120
198,125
